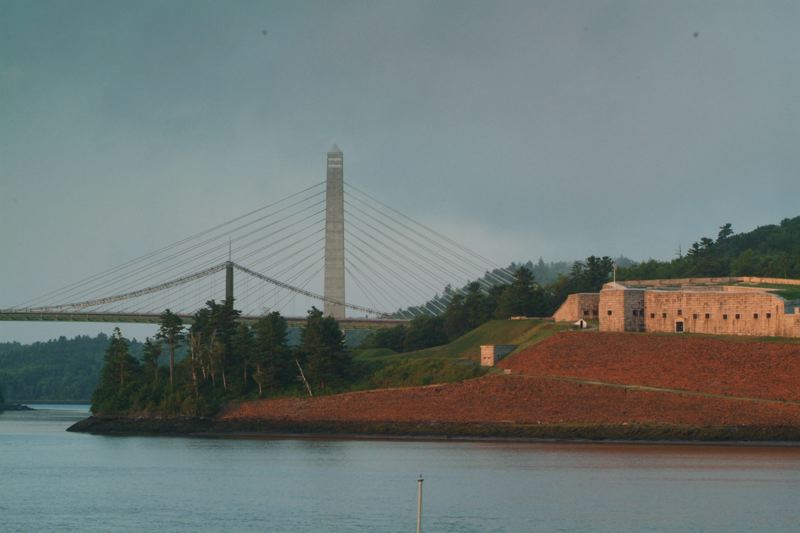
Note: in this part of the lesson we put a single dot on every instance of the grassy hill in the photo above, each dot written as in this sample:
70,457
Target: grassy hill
451,362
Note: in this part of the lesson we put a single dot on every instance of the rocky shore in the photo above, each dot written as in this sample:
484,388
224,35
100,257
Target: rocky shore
208,427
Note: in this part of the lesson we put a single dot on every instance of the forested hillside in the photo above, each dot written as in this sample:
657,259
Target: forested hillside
59,369
769,251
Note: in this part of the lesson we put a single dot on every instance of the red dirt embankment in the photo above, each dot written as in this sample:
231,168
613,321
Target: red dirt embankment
702,364
531,396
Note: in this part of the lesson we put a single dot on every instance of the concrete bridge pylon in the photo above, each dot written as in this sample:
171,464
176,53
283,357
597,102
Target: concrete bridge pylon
334,235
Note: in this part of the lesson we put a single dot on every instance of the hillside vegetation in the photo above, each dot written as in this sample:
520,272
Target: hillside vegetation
769,251
455,361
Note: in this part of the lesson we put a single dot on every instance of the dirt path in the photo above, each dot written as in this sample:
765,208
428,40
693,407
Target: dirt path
683,392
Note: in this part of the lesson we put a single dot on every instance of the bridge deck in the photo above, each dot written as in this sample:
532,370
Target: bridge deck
149,318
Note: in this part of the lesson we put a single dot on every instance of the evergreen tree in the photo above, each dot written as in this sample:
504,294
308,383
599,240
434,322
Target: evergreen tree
244,350
725,231
391,338
425,331
271,353
118,378
222,322
151,355
322,343
456,320
475,306
120,365
171,332
518,298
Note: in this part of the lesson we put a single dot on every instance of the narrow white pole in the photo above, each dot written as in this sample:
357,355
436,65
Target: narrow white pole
419,504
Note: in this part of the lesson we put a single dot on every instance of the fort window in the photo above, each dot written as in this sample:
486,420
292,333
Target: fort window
737,317
609,312
663,315
769,315
585,312
708,315
694,316
755,315
652,315
635,312
680,312
724,317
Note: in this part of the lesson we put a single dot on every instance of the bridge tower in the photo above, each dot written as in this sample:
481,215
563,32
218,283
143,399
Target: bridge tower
229,281
334,235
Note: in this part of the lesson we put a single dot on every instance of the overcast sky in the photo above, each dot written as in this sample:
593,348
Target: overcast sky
521,129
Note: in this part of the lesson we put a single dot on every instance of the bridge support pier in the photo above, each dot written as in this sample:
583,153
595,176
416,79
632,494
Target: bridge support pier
334,235
229,282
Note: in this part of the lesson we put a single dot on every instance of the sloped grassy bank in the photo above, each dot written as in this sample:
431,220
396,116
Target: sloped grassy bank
207,427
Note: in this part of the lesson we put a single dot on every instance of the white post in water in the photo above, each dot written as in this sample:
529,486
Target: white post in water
419,504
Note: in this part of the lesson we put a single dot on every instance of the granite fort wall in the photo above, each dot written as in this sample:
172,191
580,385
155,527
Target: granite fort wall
622,309
583,305
791,324
682,282
661,306
719,313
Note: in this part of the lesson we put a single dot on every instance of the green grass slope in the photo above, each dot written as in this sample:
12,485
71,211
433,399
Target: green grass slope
451,362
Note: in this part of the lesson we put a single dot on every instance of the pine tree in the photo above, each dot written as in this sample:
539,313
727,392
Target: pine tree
171,332
118,378
322,342
271,354
120,365
151,355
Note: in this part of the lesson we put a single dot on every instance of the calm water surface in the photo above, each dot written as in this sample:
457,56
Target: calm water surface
57,481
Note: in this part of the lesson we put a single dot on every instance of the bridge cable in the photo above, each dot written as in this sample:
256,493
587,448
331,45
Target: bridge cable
164,248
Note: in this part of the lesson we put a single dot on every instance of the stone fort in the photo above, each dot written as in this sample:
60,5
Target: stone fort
720,306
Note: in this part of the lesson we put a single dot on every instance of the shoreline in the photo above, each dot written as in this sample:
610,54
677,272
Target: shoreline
431,431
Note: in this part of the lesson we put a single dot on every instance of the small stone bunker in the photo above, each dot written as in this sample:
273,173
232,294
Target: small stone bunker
492,353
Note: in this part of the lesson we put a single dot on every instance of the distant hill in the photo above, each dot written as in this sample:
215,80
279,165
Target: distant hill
769,251
59,369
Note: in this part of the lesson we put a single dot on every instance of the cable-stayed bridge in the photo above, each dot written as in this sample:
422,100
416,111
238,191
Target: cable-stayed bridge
331,245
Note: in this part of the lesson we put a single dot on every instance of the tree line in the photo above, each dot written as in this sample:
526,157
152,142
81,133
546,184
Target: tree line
767,251
59,369
225,359
477,304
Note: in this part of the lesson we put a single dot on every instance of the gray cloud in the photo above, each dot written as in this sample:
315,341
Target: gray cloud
554,129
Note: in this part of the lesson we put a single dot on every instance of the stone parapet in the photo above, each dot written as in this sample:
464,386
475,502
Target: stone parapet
581,305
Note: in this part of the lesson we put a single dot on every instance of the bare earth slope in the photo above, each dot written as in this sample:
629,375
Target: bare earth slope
703,364
704,382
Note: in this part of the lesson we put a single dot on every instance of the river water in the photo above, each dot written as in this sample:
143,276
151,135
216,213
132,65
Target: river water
51,480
